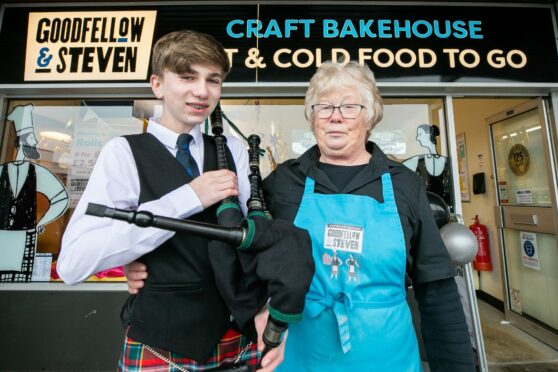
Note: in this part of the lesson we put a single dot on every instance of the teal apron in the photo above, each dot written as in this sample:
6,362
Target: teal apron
356,316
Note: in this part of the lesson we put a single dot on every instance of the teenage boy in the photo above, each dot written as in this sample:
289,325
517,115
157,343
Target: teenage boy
179,320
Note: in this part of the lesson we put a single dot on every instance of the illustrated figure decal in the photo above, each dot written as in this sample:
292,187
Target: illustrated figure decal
336,262
353,268
432,167
20,180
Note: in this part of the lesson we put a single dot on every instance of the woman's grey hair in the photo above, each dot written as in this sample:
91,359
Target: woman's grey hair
332,76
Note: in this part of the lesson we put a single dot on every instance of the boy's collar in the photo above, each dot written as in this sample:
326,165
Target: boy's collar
169,137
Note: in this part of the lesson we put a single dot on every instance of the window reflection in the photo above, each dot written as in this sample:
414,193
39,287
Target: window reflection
71,133
396,134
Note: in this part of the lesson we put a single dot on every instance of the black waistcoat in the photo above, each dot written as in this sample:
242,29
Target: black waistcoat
179,309
18,213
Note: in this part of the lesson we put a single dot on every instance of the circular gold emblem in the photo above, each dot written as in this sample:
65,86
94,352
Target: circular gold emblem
519,159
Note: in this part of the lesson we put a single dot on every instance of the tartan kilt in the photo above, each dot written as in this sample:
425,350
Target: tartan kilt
136,357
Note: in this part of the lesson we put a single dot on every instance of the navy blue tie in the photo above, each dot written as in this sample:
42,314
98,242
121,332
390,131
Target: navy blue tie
184,156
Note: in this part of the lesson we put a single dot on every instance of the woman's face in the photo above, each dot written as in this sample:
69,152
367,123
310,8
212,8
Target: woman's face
341,140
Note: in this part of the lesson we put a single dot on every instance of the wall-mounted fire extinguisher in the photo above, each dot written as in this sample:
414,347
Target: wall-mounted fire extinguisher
482,259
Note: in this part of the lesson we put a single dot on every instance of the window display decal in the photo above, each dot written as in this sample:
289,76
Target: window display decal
20,181
503,192
524,196
463,167
431,167
515,300
529,250
42,267
519,159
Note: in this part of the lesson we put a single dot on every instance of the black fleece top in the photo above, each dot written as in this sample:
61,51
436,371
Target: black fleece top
429,268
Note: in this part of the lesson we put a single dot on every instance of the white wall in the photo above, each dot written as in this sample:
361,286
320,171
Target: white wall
470,115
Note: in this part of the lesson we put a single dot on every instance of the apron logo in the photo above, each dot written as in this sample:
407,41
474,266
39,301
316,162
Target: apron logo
352,266
343,238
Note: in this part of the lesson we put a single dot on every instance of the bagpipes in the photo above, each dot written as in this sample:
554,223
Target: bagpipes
275,258
255,259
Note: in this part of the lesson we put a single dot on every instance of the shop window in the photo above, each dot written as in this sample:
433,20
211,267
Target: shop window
280,123
70,133
398,135
60,140
412,131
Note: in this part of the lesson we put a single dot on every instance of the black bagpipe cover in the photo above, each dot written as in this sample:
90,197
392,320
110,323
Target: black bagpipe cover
235,274
284,261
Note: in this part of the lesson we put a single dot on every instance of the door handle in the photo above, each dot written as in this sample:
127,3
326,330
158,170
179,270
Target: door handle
524,219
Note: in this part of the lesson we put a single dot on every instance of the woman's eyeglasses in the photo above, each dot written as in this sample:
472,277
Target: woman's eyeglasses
348,111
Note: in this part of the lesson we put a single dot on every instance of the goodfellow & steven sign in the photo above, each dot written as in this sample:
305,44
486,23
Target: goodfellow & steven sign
89,45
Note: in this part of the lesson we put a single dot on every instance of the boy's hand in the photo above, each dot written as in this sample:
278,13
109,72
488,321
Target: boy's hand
275,356
136,273
213,186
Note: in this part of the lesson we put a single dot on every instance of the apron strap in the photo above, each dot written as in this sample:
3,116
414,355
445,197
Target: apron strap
387,188
387,191
309,186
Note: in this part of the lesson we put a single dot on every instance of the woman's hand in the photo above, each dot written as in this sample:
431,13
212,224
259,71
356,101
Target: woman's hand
136,273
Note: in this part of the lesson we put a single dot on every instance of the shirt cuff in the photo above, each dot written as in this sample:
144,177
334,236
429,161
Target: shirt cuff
185,201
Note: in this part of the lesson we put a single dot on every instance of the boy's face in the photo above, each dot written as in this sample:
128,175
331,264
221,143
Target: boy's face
189,98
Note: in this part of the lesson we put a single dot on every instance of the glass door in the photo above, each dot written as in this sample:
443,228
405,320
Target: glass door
526,215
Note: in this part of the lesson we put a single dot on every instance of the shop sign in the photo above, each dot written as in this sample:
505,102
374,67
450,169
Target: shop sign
399,43
284,43
89,45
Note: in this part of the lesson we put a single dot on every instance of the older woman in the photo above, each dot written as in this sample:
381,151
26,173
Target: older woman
371,229
372,234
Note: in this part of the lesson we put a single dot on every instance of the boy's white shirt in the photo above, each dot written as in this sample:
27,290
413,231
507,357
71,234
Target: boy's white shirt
92,244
